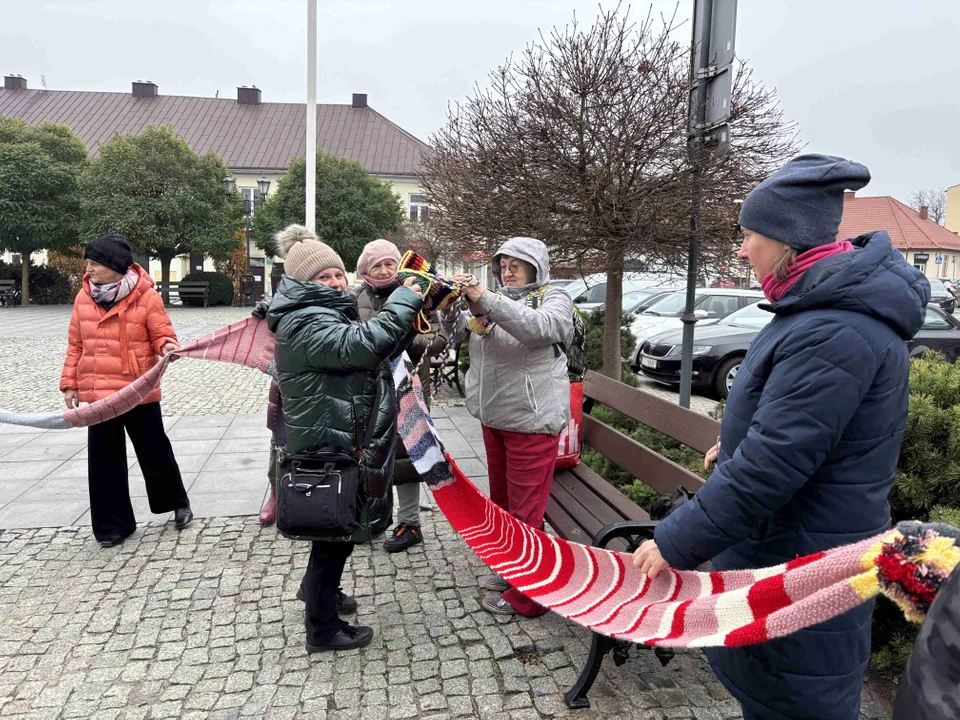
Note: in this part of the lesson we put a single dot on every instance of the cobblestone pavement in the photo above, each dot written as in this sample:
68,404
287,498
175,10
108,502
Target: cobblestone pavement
204,624
33,343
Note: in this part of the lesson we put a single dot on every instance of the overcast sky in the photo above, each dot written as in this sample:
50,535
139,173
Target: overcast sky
874,80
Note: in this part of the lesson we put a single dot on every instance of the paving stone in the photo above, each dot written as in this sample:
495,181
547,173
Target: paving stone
203,623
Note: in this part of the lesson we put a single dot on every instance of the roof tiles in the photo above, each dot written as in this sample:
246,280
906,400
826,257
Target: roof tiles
906,228
264,137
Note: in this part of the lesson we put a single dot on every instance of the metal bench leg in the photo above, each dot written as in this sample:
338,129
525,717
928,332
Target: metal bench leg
664,655
456,380
576,698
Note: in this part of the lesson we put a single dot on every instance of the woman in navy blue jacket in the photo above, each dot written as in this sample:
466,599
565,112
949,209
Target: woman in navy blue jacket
811,432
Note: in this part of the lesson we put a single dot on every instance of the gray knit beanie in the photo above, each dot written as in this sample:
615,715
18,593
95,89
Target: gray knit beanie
801,203
304,255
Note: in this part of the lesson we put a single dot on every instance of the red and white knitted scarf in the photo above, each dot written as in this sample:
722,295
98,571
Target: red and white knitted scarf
600,589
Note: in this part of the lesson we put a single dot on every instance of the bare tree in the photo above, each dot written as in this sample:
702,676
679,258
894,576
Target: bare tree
422,238
935,200
581,141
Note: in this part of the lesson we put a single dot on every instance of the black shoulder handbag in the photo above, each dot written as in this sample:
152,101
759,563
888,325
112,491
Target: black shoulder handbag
666,504
317,490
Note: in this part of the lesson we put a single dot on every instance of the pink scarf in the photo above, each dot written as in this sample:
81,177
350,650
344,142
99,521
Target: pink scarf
373,282
109,294
775,289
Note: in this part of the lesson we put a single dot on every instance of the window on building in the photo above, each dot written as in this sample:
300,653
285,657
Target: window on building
419,210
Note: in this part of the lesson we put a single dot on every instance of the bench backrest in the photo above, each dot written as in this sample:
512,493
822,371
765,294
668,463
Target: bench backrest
685,426
7,283
190,286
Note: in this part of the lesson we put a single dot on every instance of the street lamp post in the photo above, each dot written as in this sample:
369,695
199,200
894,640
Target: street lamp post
263,187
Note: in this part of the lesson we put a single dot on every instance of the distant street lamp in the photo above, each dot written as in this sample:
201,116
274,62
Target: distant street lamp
263,187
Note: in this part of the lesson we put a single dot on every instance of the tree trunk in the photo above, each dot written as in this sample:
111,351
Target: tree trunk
25,278
613,310
165,276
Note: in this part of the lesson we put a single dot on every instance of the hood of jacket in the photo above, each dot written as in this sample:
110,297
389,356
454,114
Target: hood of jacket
530,250
873,280
293,295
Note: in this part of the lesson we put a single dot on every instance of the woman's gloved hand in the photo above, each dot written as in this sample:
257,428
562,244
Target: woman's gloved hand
260,309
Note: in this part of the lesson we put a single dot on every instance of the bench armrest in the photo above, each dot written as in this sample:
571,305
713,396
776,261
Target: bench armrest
635,531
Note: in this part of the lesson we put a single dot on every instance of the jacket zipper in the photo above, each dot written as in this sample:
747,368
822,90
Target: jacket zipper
480,389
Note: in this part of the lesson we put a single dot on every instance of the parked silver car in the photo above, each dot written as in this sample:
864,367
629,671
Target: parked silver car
711,305
591,292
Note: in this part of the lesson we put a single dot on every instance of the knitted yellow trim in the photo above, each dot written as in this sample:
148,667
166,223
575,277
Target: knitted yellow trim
869,558
867,584
941,552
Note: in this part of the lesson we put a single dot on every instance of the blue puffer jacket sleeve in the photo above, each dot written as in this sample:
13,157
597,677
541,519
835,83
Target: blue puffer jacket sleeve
821,372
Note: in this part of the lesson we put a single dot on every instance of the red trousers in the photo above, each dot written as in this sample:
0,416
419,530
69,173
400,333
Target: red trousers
520,468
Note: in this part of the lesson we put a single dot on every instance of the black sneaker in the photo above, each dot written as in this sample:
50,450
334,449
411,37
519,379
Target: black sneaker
404,537
348,637
346,604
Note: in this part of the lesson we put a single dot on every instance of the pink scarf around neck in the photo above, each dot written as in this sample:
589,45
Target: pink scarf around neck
775,289
373,282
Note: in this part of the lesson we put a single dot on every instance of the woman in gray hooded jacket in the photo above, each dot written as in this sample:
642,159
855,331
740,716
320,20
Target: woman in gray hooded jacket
517,386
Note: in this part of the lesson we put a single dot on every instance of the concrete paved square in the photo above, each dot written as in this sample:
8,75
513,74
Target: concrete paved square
223,460
203,623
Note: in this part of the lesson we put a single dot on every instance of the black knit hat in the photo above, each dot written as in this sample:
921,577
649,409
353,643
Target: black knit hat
113,251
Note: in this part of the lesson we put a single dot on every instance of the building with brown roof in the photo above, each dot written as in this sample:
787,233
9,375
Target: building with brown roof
253,138
929,247
952,220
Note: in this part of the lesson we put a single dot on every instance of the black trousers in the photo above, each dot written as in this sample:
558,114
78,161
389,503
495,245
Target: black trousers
110,509
320,584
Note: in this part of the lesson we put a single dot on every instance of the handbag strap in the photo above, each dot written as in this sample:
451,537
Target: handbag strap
374,413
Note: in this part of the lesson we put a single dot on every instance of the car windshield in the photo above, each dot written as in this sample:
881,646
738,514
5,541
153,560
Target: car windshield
576,289
670,305
637,297
750,316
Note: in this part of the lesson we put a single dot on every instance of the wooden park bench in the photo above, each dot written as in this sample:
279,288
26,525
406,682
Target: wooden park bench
585,508
8,292
188,289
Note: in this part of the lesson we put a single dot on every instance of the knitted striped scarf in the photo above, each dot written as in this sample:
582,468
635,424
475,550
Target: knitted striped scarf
600,589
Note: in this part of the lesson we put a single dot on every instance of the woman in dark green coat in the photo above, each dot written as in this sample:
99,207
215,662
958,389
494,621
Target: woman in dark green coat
328,367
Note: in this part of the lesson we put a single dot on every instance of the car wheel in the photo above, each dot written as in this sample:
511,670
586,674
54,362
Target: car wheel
725,375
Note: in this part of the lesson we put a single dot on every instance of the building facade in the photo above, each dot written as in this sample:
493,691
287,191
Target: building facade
255,139
929,247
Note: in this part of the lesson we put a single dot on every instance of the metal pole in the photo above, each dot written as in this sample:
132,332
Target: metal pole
311,180
699,58
246,230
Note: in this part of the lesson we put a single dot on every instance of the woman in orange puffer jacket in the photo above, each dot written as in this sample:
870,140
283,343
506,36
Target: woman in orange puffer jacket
118,328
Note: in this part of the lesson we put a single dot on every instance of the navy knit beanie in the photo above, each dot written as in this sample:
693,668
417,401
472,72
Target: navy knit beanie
110,250
801,203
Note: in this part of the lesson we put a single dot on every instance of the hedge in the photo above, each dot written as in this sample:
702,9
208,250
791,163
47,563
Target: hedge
219,293
47,285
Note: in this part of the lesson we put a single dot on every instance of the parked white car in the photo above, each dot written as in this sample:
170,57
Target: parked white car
591,292
711,305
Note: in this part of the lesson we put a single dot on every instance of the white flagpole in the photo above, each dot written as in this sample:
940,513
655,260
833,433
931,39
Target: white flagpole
311,180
